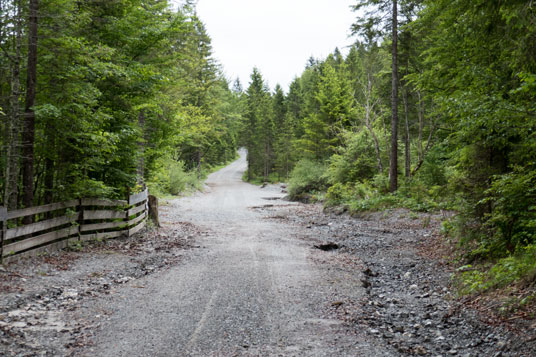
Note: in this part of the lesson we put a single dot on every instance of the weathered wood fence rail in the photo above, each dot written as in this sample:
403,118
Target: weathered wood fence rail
59,224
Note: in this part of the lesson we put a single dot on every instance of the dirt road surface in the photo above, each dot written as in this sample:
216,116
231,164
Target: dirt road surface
235,272
251,289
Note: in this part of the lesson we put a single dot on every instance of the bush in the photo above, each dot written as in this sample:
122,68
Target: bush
356,161
349,193
86,187
337,194
518,267
307,177
173,179
433,171
513,209
181,180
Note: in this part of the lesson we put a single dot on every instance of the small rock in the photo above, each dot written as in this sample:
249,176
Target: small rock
369,272
15,313
69,294
327,246
365,283
420,350
399,329
388,335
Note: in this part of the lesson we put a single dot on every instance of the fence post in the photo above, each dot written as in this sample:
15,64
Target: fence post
3,231
80,211
128,208
153,209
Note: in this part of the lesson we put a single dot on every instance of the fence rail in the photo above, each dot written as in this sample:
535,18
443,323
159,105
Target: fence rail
59,224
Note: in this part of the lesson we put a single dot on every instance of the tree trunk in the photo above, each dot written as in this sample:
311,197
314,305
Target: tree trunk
407,148
49,170
420,113
29,114
11,189
425,150
393,167
141,148
368,124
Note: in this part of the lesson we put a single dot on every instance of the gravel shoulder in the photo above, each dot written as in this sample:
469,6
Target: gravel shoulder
234,272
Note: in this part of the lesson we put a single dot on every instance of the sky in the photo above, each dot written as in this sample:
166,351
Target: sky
276,36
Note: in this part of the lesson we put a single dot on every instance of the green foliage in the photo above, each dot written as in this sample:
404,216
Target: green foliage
258,131
122,86
172,178
307,176
512,220
323,128
356,161
179,180
521,266
485,100
348,194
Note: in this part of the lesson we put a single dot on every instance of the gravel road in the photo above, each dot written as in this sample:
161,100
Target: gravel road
252,288
235,271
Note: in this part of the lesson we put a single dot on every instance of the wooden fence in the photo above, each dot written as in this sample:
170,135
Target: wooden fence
59,224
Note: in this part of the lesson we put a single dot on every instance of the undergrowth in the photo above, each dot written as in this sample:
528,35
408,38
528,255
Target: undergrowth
173,179
512,277
374,196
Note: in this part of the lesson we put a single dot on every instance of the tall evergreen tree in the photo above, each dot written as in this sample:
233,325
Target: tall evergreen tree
259,128
374,22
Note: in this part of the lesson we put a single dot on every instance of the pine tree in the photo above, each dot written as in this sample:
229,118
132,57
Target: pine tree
374,24
259,128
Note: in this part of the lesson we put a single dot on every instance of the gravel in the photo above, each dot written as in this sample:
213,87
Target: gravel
409,304
43,299
237,271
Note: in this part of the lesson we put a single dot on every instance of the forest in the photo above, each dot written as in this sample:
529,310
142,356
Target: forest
98,97
432,108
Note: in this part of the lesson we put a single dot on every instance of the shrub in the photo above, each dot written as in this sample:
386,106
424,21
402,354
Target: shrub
356,161
308,176
519,267
172,179
179,179
337,194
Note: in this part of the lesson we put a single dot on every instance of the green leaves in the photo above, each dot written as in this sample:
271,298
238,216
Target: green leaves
122,87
